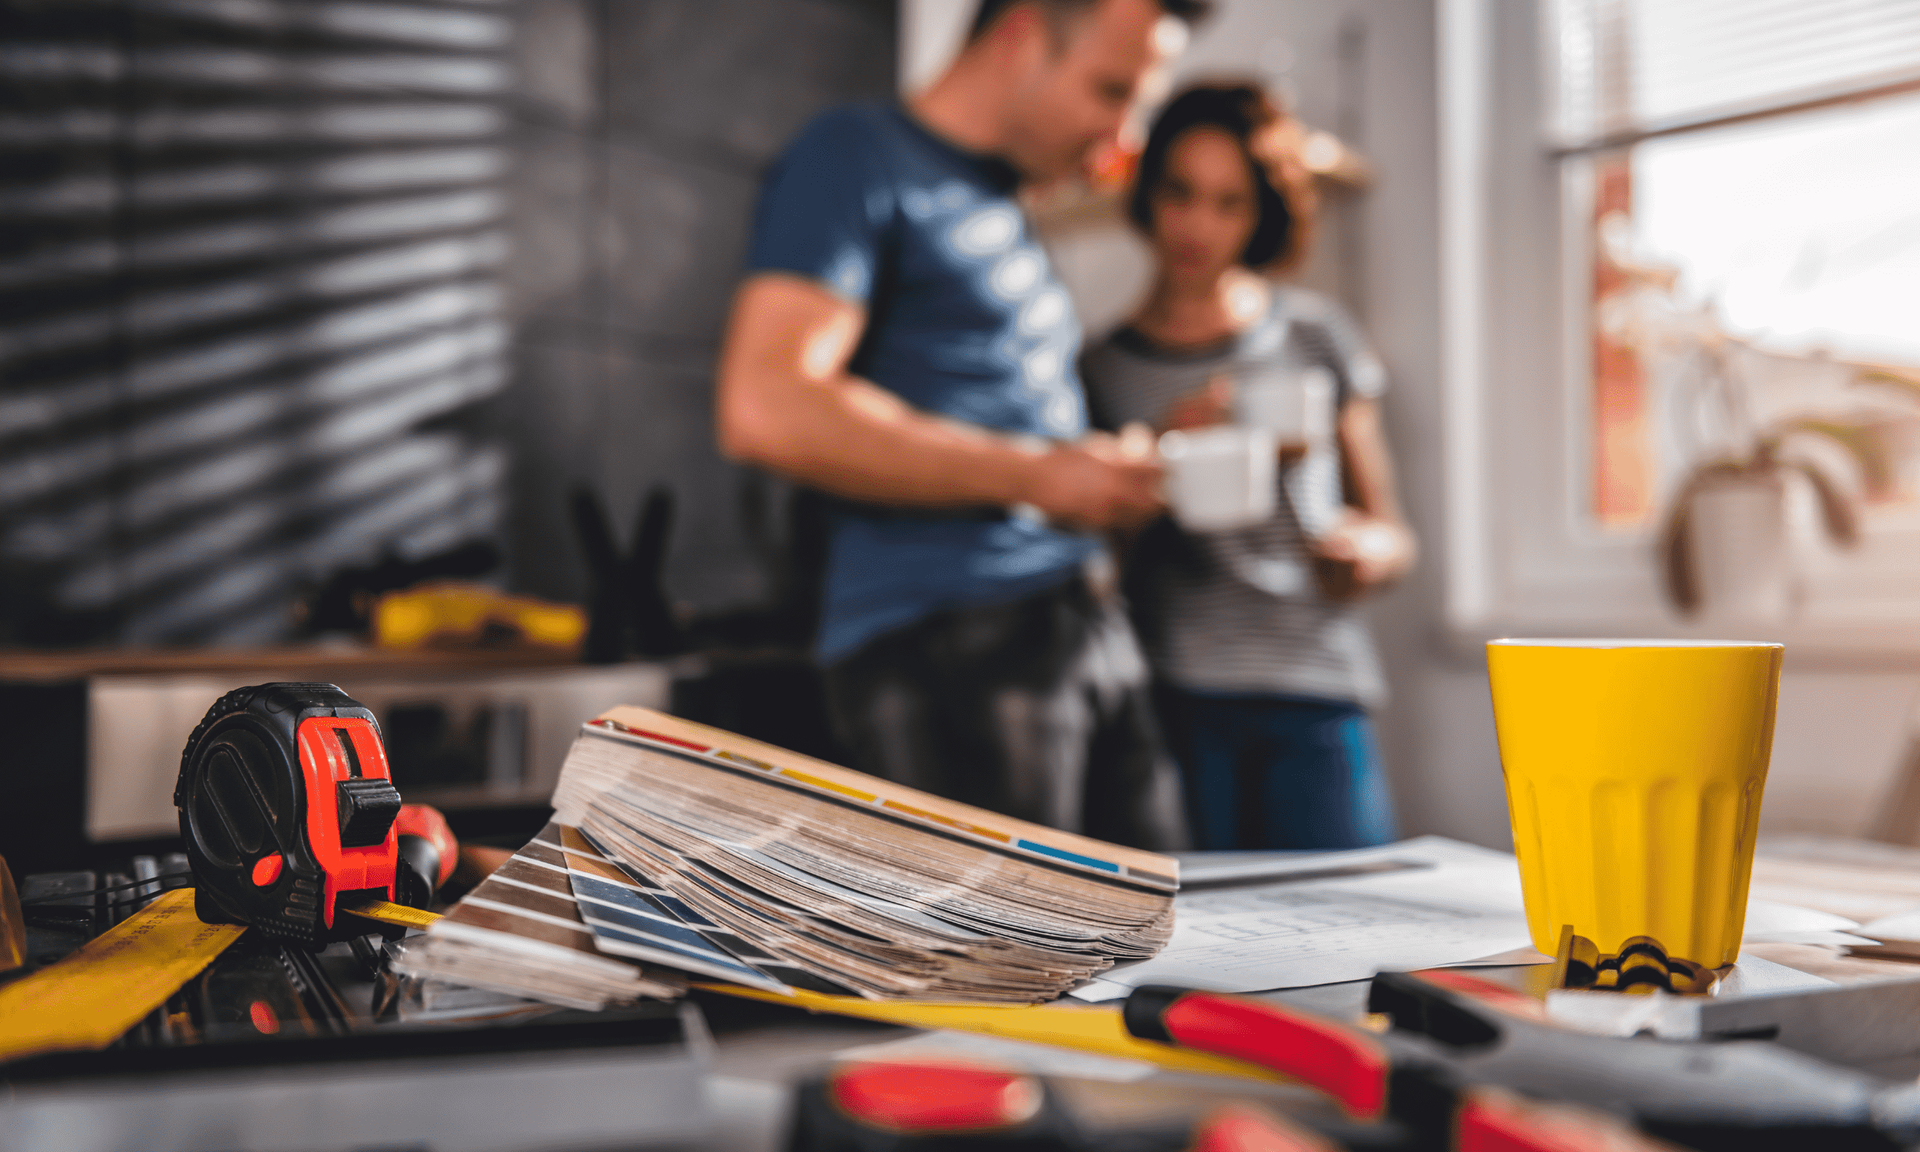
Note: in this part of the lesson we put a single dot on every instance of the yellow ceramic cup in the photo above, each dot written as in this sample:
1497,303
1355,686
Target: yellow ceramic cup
1634,770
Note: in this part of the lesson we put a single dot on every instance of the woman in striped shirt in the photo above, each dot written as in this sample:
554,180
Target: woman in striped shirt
1265,667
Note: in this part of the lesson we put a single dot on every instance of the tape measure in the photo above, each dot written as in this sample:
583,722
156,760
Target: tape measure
291,818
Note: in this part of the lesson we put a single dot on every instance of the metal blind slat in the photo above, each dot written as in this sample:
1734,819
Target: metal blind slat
1639,66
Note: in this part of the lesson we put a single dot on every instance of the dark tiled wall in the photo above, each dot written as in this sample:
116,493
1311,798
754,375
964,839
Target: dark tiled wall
643,127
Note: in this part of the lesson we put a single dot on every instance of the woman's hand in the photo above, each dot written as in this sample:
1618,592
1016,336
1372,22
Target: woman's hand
1212,405
1360,554
1372,544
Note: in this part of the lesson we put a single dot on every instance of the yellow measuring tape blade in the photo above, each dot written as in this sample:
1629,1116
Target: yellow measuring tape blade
1086,1027
94,995
393,915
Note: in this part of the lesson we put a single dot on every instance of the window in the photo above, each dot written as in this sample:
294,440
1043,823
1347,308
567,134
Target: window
1722,421
1747,187
1795,244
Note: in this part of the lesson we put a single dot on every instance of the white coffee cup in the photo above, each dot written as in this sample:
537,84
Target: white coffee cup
1220,478
1297,407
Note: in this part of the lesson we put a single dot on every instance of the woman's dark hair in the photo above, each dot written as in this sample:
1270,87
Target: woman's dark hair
1241,111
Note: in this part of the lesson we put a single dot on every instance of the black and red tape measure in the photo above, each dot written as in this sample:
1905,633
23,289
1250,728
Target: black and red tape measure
290,815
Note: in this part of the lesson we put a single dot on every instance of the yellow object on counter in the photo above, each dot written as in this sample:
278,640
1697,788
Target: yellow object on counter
1084,1027
1634,771
93,996
454,612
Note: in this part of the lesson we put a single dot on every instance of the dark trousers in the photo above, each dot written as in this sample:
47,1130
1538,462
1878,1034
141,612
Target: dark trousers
1277,771
1038,709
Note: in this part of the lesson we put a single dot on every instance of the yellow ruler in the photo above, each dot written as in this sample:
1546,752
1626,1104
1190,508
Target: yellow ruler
393,915
94,995
1086,1027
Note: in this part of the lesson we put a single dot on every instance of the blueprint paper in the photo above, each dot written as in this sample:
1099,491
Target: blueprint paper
1421,903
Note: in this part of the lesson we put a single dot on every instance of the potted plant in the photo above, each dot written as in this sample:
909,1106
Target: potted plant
1725,548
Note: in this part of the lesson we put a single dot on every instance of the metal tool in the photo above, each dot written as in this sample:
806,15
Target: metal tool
1872,1024
1448,1042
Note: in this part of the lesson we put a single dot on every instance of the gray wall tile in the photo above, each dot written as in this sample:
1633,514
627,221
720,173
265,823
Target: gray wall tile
676,235
643,128
557,60
554,187
740,76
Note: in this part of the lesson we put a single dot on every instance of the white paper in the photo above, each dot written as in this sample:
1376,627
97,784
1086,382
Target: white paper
1452,903
1900,926
1458,905
1771,922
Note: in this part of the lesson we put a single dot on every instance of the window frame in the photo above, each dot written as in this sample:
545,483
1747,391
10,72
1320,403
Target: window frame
1522,554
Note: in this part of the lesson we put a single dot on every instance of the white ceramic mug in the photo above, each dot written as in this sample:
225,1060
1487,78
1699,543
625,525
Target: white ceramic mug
1297,407
1220,478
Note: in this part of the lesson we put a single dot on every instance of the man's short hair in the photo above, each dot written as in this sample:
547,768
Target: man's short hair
1057,11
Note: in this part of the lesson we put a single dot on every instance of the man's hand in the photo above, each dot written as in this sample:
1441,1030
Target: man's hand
1360,554
1204,407
1099,483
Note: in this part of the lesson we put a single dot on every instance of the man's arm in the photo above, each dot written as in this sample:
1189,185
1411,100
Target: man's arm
786,402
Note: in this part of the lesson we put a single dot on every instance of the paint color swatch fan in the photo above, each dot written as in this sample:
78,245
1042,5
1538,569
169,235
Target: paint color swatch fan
692,848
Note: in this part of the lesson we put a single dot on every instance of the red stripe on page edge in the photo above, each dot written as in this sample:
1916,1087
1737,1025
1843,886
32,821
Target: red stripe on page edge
632,731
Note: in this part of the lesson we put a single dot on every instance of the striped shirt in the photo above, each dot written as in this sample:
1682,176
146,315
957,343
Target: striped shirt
1239,611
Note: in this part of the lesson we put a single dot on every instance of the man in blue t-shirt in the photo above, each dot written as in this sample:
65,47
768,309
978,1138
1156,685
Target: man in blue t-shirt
901,343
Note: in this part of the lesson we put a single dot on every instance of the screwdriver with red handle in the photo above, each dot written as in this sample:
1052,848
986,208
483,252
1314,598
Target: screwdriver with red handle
899,1106
1454,1036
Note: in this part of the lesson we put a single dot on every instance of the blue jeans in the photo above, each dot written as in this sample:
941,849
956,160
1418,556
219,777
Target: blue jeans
1277,771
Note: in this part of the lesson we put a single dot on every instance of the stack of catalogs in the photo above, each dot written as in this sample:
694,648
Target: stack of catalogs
811,875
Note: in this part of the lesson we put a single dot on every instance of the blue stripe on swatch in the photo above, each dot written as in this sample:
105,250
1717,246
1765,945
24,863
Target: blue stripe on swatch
1070,857
652,940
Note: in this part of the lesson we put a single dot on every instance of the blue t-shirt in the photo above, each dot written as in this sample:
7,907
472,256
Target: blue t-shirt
965,320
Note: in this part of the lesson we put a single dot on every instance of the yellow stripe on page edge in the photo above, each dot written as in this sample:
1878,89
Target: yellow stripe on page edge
93,996
1087,1028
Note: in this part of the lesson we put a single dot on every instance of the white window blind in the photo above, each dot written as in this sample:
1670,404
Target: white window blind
1630,69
